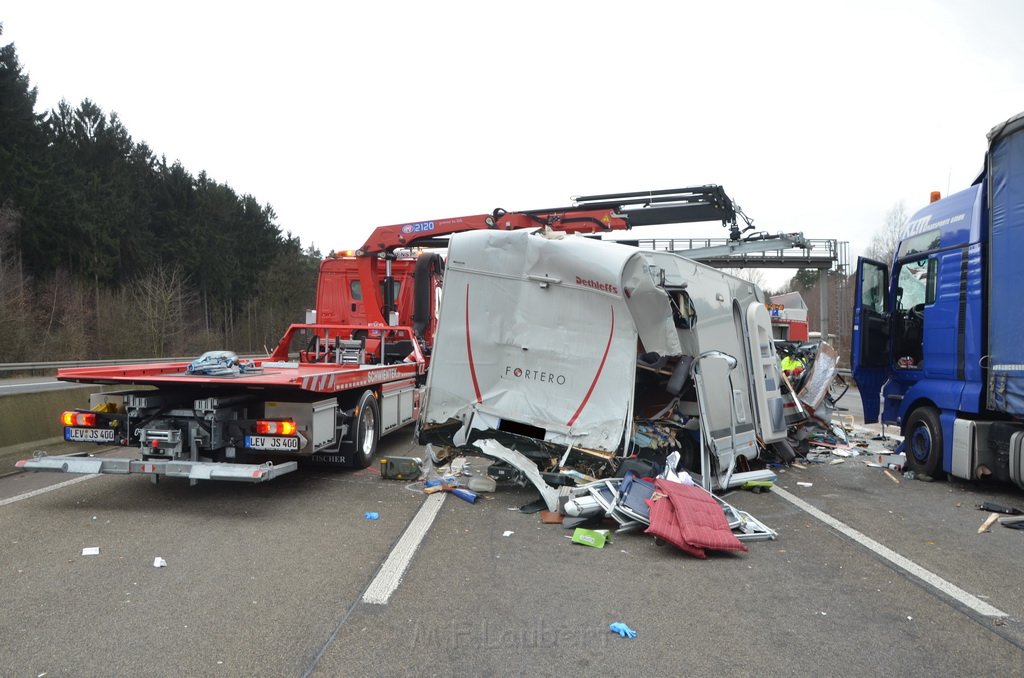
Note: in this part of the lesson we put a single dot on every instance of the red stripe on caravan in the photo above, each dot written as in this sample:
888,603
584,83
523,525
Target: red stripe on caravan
600,368
469,353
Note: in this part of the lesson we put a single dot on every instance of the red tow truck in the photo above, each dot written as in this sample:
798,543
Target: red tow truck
331,388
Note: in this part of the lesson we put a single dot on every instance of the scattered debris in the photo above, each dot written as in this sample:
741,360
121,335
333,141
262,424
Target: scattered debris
401,468
999,508
159,562
551,518
482,484
221,363
371,515
621,629
464,494
507,533
91,551
803,484
594,538
533,507
890,476
757,486
892,461
992,517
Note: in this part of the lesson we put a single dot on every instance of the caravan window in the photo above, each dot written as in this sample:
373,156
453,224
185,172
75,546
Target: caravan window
683,313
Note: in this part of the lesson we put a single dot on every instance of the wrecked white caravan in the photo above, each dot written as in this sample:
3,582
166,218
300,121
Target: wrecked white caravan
552,355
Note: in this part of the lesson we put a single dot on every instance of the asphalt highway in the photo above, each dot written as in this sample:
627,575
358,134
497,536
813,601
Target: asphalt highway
276,579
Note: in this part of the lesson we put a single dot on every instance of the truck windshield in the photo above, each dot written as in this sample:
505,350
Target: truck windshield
912,285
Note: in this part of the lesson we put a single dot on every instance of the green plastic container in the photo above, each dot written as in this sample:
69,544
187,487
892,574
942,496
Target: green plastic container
400,468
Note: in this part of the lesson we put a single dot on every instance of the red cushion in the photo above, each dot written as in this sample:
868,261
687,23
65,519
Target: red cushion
699,518
664,526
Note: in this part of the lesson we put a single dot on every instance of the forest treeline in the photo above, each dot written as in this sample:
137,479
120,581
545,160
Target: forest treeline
107,250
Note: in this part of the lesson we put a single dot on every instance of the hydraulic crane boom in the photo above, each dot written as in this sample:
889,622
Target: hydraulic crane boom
587,214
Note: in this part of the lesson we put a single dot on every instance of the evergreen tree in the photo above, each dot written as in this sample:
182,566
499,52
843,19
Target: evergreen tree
101,228
22,142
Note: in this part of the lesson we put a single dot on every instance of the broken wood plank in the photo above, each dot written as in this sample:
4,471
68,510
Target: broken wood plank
992,517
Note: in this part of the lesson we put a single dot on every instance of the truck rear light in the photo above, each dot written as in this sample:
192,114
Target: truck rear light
268,427
78,418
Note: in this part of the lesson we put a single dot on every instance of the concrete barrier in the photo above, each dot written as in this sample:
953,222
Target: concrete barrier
29,420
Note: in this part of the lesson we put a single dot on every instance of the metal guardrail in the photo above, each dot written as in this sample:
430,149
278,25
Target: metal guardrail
43,367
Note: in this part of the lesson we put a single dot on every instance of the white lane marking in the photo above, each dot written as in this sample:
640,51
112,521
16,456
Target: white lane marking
51,488
909,566
390,574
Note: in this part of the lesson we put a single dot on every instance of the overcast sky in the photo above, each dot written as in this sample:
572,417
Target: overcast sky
815,116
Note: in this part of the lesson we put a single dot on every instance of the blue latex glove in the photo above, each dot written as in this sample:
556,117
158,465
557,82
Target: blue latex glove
622,630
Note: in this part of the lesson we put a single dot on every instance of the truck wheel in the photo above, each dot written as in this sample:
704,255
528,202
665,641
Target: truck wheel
364,437
923,439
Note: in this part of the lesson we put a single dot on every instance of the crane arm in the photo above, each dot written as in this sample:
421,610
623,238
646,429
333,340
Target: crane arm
587,214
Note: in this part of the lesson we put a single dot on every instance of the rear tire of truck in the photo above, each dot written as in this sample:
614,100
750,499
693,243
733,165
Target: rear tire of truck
923,440
366,433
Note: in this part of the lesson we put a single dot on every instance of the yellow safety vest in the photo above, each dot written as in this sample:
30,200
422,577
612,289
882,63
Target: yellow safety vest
789,363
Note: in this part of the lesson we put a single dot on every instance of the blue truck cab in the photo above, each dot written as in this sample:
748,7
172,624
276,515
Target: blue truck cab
938,338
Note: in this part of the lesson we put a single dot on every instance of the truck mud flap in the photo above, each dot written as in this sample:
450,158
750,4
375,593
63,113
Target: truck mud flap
193,470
